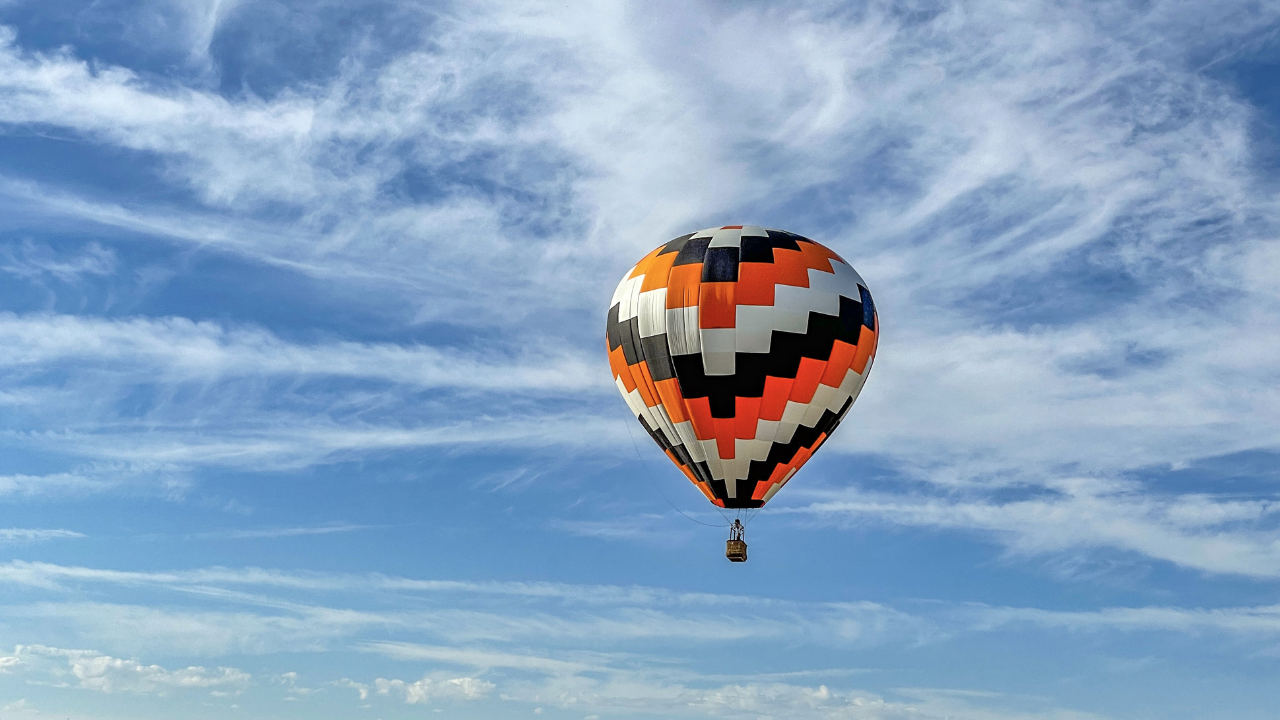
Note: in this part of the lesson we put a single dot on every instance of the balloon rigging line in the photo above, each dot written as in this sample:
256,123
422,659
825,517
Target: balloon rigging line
648,474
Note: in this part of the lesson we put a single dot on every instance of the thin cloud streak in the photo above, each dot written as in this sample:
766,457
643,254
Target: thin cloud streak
1195,531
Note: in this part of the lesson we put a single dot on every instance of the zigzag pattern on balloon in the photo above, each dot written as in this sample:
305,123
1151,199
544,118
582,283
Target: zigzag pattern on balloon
740,349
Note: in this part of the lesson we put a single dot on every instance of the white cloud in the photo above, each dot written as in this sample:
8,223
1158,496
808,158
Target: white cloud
1006,153
1196,531
1261,621
106,674
178,349
32,260
13,536
421,691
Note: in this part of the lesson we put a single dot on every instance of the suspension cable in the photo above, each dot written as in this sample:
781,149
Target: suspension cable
649,475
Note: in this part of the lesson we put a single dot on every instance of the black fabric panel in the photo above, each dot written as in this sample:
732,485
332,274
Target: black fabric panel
703,472
682,454
756,249
784,354
720,264
742,503
657,436
760,470
751,370
658,356
782,236
614,333
692,251
806,436
827,424
629,334
718,489
818,341
693,379
724,404
868,309
851,317
695,383
675,245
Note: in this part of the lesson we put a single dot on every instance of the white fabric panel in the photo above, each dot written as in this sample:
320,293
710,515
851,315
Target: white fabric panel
821,399
712,454
636,403
736,469
791,308
664,423
627,301
751,449
682,330
707,232
848,277
690,441
632,399
824,292
765,432
618,291
753,231
793,411
772,491
851,386
755,328
718,347
727,237
653,312
786,430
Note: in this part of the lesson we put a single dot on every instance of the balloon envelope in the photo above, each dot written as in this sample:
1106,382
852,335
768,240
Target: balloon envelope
740,349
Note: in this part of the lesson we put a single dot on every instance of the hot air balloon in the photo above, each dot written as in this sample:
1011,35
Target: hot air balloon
740,349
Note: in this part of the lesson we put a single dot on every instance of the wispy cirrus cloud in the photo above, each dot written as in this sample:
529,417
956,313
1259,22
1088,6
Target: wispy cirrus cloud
1198,531
17,536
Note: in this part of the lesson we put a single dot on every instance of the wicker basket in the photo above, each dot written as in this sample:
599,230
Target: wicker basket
736,551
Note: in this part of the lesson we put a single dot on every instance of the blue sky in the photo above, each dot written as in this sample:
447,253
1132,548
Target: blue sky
305,411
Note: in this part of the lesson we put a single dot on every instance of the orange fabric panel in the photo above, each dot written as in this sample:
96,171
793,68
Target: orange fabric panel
642,267
672,400
762,489
682,285
818,257
776,392
645,382
755,283
802,457
746,413
866,348
779,472
657,271
791,267
707,491
807,379
724,437
842,354
716,306
699,411
618,364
